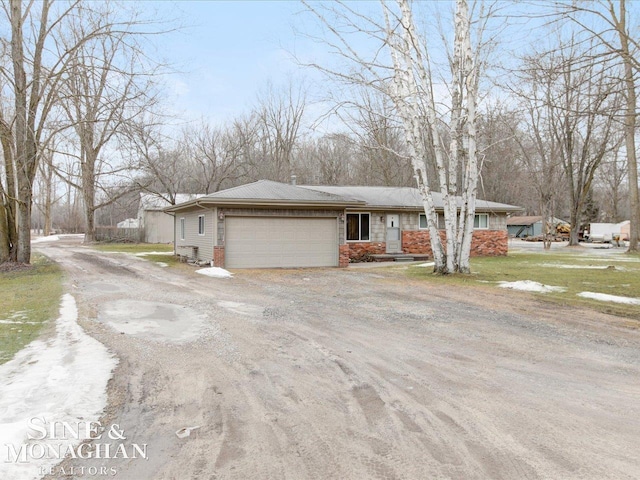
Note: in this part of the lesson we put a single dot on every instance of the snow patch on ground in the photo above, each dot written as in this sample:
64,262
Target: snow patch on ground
63,378
604,297
531,286
162,264
19,317
592,267
215,272
50,238
144,254
428,264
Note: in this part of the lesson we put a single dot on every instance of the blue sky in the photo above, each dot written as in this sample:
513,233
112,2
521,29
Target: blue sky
227,52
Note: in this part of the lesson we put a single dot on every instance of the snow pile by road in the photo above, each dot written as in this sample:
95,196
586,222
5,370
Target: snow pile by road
215,272
604,297
62,379
50,238
531,286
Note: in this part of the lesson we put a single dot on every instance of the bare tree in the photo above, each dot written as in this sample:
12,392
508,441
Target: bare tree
613,30
47,187
38,53
611,178
8,196
218,156
329,160
537,142
581,111
381,142
108,83
503,178
278,117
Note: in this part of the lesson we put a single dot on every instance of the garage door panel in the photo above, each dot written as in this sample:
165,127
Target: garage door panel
258,242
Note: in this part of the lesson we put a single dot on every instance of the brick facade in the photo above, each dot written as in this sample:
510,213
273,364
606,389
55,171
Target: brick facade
344,256
488,243
357,250
218,257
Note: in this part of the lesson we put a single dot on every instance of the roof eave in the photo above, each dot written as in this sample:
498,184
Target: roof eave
244,202
438,208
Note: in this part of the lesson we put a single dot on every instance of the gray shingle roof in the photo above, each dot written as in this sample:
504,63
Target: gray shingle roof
401,197
269,190
530,220
151,201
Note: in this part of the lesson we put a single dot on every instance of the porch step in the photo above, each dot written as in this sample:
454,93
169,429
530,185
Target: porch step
399,257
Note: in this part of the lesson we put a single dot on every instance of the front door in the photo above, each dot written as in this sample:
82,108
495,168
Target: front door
394,241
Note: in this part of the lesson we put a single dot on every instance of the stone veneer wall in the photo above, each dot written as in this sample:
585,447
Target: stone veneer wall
489,243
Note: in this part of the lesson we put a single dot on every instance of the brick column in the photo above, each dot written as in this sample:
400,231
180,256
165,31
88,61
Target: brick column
344,256
218,257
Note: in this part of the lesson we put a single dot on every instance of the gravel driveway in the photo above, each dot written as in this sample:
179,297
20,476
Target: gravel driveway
354,374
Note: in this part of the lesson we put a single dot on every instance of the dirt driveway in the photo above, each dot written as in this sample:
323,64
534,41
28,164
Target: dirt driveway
354,374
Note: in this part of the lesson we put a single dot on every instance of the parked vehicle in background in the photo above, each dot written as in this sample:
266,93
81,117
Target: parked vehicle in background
607,232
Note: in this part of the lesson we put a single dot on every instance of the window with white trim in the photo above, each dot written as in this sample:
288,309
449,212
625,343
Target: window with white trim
200,224
481,221
358,227
182,229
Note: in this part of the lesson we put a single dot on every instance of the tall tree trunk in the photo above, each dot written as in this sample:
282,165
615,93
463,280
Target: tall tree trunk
630,129
8,227
5,246
471,171
88,167
21,135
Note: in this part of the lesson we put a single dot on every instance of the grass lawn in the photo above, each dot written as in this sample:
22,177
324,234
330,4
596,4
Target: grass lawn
30,300
580,270
144,250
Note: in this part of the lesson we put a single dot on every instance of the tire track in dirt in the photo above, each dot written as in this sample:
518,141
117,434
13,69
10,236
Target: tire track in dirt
349,374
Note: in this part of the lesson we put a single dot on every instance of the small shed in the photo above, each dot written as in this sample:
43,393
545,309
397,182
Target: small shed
528,226
158,225
128,223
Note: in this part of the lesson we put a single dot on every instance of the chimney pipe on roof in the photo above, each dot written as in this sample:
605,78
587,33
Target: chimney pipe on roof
293,179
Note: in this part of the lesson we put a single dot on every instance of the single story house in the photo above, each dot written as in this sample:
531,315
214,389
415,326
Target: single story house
268,224
157,225
528,226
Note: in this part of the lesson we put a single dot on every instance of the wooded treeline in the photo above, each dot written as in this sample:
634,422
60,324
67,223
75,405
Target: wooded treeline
83,129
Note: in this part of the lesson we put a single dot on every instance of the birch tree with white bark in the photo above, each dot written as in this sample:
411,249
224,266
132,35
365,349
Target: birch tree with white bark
403,70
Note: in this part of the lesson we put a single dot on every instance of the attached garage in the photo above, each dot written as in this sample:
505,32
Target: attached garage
271,242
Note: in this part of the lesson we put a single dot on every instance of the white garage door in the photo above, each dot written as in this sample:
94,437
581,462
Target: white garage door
265,242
